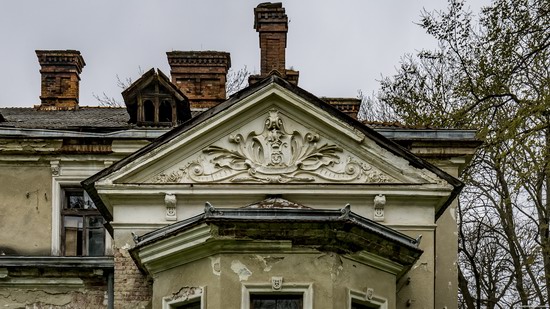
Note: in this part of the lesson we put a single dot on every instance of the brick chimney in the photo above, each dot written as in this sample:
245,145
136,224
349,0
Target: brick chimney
348,106
200,75
271,22
60,71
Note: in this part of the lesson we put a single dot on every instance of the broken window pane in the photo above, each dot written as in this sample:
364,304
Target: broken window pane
95,237
73,235
83,231
78,199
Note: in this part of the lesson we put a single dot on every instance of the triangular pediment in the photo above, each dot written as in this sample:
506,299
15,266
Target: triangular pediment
272,135
275,147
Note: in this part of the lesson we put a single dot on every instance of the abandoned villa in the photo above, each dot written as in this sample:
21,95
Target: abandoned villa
189,198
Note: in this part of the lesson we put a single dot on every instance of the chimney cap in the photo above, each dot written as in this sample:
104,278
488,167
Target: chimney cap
270,13
67,57
199,58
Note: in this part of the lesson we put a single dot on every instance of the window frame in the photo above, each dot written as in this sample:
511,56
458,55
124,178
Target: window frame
59,183
362,299
288,288
81,213
169,302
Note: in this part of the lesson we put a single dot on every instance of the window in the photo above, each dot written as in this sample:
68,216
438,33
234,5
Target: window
193,305
366,300
148,111
289,295
83,233
274,301
186,298
356,305
165,111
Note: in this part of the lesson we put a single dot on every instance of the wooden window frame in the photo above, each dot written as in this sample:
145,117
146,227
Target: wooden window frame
84,214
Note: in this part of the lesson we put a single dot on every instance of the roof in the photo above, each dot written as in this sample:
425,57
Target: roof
85,118
146,79
384,142
82,119
349,233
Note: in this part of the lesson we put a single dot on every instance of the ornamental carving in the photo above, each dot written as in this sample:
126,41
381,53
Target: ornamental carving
274,155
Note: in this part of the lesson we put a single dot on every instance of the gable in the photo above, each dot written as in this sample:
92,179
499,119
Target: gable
274,146
273,133
274,137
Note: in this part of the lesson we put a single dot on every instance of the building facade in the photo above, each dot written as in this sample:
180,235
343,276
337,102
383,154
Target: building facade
271,198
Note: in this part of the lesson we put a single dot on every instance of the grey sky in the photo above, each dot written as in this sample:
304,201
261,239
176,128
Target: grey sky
339,47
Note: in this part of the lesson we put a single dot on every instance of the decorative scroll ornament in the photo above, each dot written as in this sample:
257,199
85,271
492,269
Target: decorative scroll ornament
275,155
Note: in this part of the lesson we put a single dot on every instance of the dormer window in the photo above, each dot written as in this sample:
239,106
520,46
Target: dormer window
148,111
153,101
165,111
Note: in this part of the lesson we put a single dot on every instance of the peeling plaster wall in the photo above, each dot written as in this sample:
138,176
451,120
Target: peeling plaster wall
417,285
223,275
53,289
446,275
25,206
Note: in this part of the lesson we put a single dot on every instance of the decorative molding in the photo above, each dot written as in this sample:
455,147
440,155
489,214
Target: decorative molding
366,298
56,169
276,283
275,155
305,289
170,201
379,204
186,295
377,262
369,294
41,282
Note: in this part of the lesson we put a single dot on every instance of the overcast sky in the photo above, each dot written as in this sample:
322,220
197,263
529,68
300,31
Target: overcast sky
339,47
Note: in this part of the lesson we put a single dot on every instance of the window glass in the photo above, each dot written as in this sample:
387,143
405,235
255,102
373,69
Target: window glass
268,301
356,305
148,111
194,305
165,111
83,231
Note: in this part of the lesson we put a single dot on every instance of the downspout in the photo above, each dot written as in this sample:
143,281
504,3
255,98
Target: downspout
111,290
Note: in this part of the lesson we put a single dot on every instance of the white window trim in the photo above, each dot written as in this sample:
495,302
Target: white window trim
306,289
362,298
197,293
58,195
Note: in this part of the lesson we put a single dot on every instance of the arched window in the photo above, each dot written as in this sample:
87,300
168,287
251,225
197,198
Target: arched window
165,111
148,111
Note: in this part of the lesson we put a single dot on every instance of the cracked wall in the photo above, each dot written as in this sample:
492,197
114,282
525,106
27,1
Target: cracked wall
223,275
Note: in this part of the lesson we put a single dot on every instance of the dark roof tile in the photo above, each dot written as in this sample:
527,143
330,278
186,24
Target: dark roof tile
81,119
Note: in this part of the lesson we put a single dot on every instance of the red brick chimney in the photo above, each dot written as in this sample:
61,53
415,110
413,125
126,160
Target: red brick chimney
200,75
60,71
271,22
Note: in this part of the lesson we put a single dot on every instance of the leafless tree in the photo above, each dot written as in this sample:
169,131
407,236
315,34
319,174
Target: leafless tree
236,80
109,101
491,74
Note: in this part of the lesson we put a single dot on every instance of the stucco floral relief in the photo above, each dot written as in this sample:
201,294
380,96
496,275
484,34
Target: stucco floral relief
274,154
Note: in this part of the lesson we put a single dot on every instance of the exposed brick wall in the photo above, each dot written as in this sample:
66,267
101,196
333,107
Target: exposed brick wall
349,106
200,75
60,78
132,288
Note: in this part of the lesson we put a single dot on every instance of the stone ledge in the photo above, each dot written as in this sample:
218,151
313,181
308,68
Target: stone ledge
57,261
